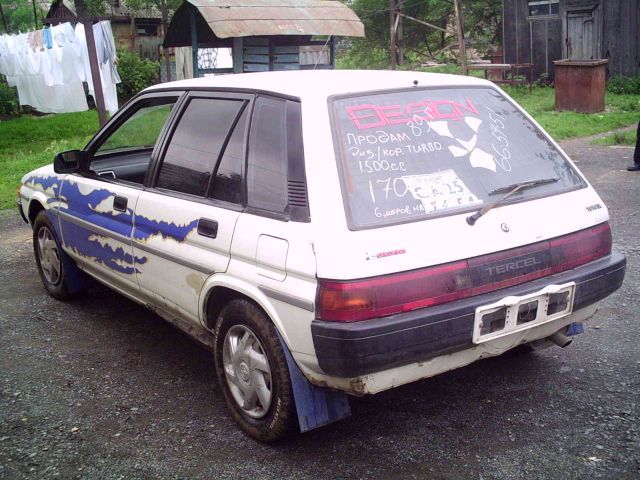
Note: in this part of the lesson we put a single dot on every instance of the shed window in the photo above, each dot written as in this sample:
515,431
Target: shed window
539,8
146,28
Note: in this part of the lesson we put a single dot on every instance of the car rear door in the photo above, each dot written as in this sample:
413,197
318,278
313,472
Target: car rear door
186,218
273,243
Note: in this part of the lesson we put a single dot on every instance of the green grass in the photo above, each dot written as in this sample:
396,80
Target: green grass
30,142
620,111
618,138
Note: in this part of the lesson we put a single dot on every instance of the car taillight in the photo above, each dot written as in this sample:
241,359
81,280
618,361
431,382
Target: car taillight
356,300
581,247
389,294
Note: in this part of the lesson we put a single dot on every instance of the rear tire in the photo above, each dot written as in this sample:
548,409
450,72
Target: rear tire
252,372
59,274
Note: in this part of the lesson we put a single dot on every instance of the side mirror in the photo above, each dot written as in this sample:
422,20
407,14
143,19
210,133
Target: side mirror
71,161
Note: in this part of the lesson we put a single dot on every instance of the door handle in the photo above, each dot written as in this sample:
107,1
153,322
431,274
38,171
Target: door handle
208,228
120,204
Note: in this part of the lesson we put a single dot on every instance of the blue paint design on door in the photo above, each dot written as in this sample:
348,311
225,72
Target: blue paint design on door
93,245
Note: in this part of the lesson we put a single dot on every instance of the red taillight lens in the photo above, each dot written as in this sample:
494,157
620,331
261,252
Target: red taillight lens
389,294
352,301
581,247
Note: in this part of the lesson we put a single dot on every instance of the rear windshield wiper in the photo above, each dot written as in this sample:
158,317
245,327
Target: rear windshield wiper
522,185
510,189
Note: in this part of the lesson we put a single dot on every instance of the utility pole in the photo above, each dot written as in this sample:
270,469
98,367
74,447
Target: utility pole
4,20
35,15
399,33
392,32
93,60
462,49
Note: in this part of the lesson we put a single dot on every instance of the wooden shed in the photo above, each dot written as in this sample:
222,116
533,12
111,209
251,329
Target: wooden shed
136,30
542,31
263,35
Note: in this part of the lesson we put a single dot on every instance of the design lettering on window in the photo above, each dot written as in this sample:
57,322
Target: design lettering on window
422,118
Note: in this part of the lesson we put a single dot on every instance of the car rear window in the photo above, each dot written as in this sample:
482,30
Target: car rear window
422,153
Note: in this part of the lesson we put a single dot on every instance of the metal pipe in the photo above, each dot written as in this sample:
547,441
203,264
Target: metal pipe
560,339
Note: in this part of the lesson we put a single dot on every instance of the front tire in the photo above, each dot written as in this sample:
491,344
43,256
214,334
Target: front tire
59,274
252,371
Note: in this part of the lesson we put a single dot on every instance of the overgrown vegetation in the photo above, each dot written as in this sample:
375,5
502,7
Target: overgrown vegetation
624,85
420,42
30,142
18,15
136,74
8,100
363,59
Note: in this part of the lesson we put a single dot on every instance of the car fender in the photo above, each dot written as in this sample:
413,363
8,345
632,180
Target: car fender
245,288
36,197
42,186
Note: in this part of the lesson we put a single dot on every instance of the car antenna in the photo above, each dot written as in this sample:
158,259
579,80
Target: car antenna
415,83
324,48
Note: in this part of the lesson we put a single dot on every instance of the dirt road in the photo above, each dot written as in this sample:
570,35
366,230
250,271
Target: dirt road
102,388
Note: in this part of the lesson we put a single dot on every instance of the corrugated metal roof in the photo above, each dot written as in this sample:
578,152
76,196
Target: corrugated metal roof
242,18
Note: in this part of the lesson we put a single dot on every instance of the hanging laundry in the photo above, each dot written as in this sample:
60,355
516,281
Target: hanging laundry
48,67
106,53
184,63
48,41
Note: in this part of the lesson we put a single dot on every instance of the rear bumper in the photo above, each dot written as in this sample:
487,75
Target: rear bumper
359,348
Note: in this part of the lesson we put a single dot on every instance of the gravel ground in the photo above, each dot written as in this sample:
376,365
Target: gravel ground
102,388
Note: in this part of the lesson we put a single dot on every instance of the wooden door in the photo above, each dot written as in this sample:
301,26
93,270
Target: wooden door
580,41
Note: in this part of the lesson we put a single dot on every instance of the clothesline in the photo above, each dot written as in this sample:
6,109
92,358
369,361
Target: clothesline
48,67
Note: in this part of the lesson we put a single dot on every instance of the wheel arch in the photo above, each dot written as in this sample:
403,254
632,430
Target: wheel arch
36,205
220,289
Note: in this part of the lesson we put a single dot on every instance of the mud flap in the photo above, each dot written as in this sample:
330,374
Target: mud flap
574,329
315,406
77,280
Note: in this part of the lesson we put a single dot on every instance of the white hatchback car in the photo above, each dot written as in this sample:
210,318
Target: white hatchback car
329,232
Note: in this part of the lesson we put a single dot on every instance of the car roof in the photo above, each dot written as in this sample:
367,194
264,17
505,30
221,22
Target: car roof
312,83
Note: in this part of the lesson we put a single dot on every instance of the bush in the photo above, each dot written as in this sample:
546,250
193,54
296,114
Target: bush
624,85
136,74
8,100
360,56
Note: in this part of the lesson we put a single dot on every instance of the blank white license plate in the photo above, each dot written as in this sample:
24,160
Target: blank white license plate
514,314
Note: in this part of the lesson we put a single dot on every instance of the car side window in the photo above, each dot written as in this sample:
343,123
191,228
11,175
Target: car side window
227,182
196,144
125,153
267,163
140,130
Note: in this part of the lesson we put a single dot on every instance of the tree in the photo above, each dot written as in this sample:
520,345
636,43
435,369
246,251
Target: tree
18,15
482,25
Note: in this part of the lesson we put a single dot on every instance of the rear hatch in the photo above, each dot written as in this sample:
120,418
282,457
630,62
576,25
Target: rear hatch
416,164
